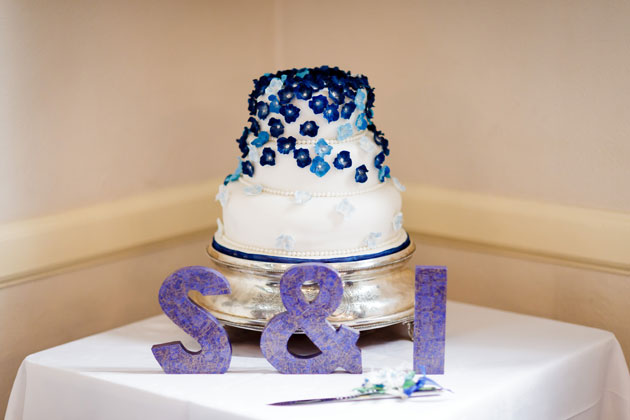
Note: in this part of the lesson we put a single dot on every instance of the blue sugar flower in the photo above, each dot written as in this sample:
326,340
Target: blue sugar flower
285,96
359,99
343,160
349,92
247,168
286,144
254,127
361,174
304,91
290,113
303,157
318,104
383,173
336,94
379,159
262,109
275,127
274,104
331,114
268,157
262,138
302,73
347,110
309,128
319,166
242,142
361,122
234,176
344,131
322,148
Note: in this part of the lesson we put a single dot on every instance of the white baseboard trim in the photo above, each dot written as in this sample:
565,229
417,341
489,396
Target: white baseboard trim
597,238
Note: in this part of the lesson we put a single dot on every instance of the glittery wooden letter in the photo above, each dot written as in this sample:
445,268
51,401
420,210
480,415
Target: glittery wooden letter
430,319
338,348
216,350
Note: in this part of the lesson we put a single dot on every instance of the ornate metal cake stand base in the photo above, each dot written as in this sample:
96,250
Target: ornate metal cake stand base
377,292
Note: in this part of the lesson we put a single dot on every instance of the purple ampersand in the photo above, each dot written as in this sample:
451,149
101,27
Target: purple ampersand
430,319
338,347
216,350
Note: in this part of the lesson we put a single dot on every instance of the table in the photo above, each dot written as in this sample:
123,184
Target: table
500,365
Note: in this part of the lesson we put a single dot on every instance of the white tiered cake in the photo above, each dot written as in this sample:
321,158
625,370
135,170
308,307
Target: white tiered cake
311,183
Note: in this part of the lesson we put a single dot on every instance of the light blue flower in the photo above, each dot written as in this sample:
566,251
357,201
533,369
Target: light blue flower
370,241
322,148
285,242
253,189
345,208
366,144
359,99
319,166
301,197
361,122
222,196
397,222
399,185
344,131
302,73
274,86
262,138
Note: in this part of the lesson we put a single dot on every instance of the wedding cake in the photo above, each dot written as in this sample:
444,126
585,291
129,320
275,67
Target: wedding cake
312,183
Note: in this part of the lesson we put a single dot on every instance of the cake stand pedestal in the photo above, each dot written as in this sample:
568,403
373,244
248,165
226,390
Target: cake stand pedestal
377,293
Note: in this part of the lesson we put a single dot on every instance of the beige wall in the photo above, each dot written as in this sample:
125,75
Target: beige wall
110,99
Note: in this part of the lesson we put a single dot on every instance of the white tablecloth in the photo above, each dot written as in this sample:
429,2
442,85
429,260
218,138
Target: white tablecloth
500,365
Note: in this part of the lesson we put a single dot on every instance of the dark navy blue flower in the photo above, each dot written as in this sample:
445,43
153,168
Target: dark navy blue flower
304,91
303,157
290,113
331,114
361,174
275,127
254,127
286,144
285,95
336,94
319,166
379,159
318,104
247,168
262,109
262,138
347,110
309,128
268,157
242,142
383,173
343,160
274,104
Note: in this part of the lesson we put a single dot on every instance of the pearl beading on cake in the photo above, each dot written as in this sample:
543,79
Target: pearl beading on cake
305,141
327,194
308,254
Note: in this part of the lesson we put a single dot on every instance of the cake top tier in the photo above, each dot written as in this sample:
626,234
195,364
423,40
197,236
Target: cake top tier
305,114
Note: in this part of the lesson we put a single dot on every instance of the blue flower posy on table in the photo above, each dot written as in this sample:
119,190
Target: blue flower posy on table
383,384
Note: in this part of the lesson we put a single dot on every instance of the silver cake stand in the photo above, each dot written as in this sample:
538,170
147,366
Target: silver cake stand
378,292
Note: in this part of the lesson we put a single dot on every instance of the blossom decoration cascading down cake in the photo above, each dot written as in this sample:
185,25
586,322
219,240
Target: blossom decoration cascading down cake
311,182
